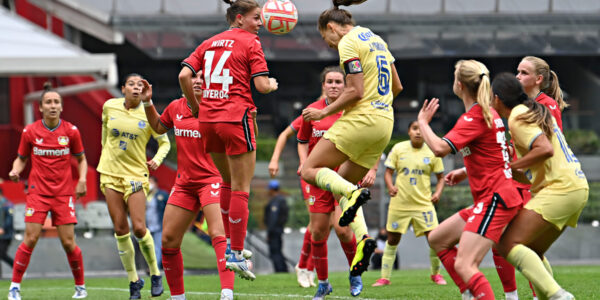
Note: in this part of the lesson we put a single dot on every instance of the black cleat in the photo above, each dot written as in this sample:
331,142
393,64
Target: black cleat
157,285
135,289
358,198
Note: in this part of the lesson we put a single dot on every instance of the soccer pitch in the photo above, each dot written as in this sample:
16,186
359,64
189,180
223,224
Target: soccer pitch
582,281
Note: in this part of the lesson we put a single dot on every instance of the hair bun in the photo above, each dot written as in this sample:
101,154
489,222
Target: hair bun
47,86
523,97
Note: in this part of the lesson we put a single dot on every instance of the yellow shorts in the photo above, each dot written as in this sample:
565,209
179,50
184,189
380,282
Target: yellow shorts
124,185
422,221
559,208
361,137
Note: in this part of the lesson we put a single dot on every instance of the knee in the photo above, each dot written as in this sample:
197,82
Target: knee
435,243
68,245
215,232
306,174
169,241
343,233
31,240
139,231
463,266
318,235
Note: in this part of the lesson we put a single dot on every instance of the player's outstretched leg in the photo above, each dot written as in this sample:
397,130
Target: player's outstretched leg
364,250
357,199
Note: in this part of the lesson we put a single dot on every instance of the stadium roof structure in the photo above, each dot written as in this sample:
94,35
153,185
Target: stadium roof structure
171,29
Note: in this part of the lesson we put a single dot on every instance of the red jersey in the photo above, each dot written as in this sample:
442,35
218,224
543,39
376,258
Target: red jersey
295,125
194,165
228,60
50,151
485,155
311,131
552,106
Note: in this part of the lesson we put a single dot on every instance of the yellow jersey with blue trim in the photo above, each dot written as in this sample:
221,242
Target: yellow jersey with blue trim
561,172
362,51
413,167
125,134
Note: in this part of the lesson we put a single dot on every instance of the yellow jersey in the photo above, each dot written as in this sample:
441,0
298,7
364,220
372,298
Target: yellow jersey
363,51
125,133
413,168
561,172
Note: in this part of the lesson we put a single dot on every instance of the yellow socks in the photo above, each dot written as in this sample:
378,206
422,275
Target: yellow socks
548,266
435,262
147,248
532,267
387,262
329,180
127,255
359,226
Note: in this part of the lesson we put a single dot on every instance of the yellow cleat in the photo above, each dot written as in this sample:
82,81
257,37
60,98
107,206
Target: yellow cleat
364,250
357,199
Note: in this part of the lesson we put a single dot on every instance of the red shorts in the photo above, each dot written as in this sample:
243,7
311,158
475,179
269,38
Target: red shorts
231,138
194,197
61,208
525,194
319,201
489,218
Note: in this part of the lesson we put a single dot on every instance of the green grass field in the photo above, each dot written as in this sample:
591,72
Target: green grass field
582,281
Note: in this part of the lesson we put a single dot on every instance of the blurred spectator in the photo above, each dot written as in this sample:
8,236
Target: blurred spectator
378,254
276,215
6,229
155,209
200,228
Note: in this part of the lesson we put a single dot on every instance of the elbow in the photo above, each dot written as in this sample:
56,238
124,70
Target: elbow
263,89
184,75
359,93
549,152
439,151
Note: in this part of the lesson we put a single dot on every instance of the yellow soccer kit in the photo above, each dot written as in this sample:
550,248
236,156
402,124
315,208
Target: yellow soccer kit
364,129
412,203
559,175
125,133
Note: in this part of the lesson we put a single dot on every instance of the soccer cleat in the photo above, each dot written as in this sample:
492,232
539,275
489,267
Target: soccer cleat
135,289
157,285
247,254
381,282
80,292
302,277
14,294
226,294
361,260
562,295
438,279
466,295
356,285
178,297
358,198
240,267
311,278
323,290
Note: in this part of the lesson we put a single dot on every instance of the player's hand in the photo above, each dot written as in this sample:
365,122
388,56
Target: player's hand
299,171
147,91
1,231
273,168
311,113
152,165
428,110
13,175
455,176
273,84
80,189
392,191
435,198
369,178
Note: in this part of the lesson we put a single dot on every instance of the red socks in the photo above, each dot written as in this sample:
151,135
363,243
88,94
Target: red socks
305,251
22,258
506,272
173,266
480,287
349,249
224,201
238,219
319,256
76,263
448,257
226,276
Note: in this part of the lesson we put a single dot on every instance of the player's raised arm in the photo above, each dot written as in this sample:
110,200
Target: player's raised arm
151,113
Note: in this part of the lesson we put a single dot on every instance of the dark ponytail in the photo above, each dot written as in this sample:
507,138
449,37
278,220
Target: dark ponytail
510,91
337,15
47,89
239,7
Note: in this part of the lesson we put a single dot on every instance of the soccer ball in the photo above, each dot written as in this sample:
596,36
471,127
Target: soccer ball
279,16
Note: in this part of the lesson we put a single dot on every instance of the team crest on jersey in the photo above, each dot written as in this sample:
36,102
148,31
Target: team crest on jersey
123,145
63,140
39,141
215,185
115,132
142,124
29,212
395,225
426,160
311,200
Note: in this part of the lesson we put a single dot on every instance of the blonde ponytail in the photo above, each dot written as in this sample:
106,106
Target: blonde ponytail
476,78
549,85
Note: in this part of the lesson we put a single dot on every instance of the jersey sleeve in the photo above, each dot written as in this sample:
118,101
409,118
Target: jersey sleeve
163,147
194,61
166,119
104,124
349,56
258,64
392,158
466,130
305,131
24,144
438,165
295,125
75,142
522,134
